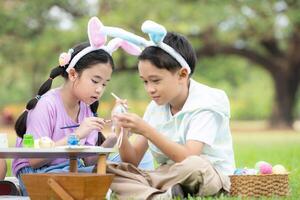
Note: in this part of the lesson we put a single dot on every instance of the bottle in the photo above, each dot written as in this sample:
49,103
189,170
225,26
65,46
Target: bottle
3,140
73,139
28,140
117,110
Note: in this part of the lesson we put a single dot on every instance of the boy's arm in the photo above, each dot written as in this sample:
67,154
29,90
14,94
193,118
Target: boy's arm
173,150
133,153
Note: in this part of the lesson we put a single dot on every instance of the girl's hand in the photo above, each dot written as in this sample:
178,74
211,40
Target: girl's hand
88,125
132,122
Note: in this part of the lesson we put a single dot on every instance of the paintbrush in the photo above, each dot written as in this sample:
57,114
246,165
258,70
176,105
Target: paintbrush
77,125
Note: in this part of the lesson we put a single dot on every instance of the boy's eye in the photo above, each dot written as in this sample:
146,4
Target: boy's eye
104,84
95,81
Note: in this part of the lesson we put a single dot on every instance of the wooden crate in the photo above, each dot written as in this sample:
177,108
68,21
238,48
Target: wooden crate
67,186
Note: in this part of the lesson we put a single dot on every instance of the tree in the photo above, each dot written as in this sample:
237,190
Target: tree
264,32
269,36
31,37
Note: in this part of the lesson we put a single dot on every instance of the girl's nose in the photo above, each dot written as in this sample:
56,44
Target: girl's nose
99,89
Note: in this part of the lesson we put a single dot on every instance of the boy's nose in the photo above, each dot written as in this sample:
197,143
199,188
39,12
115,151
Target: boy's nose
151,89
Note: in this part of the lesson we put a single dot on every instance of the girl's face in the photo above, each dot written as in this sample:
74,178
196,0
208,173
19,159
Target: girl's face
90,85
162,85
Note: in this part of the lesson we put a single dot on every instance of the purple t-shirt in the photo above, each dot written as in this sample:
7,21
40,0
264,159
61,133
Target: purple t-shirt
47,118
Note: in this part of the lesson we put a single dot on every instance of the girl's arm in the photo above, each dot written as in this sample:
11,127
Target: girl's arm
39,162
89,124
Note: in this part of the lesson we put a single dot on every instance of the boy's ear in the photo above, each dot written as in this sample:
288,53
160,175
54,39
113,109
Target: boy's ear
183,73
73,74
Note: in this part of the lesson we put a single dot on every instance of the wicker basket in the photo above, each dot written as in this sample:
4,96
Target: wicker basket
259,185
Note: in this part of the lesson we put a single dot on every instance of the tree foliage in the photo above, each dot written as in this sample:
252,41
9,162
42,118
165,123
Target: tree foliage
264,33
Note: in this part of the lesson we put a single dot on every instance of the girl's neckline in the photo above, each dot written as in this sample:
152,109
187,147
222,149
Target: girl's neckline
78,117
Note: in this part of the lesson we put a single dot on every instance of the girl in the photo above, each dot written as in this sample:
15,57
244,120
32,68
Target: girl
87,69
186,126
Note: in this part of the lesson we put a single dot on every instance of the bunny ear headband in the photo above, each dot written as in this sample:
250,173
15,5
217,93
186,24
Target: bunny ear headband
97,39
156,34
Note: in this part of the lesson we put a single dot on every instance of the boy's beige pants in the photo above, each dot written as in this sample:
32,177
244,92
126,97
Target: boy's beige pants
195,174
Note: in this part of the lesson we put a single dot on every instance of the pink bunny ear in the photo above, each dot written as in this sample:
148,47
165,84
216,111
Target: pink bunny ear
96,38
130,48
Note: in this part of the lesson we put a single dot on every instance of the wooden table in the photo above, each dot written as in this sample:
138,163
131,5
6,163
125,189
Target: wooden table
61,186
61,152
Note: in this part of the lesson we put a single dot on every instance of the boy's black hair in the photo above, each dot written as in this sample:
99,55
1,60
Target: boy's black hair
163,60
94,57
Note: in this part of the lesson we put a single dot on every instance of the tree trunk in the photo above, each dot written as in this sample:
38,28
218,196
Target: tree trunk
285,86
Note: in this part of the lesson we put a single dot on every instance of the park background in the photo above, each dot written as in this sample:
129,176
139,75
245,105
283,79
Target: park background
248,48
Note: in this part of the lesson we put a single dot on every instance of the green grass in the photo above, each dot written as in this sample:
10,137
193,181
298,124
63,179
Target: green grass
275,147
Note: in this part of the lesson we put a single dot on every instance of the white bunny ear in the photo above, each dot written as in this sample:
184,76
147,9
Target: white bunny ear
96,36
155,31
125,35
130,48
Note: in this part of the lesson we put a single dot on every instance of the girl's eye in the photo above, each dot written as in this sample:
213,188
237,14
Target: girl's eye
95,81
155,81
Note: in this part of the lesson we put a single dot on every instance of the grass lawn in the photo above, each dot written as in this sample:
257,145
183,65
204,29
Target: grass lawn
275,147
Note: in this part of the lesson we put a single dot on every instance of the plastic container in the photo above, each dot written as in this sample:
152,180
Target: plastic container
28,141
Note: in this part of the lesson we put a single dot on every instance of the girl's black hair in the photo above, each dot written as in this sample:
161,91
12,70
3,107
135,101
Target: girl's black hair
163,60
94,57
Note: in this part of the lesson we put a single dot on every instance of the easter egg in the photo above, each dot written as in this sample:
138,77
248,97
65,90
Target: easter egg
45,142
258,164
265,168
279,169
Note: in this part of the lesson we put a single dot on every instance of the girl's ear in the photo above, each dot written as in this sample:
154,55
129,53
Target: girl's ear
130,48
155,31
72,74
96,37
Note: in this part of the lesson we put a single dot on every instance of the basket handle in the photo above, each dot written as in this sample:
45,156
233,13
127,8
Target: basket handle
59,190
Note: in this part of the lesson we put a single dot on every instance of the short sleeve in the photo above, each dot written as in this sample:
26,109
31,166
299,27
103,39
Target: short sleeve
204,127
40,120
147,113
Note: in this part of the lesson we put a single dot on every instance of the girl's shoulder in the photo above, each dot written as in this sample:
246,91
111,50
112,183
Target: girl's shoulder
50,99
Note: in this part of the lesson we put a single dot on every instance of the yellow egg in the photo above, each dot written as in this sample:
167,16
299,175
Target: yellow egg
279,169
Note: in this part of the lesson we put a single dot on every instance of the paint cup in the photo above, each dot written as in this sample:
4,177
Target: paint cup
73,140
3,140
28,141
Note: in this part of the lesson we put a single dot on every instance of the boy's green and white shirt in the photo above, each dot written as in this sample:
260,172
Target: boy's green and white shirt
204,117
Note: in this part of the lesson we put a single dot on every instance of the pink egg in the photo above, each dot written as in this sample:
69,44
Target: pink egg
265,168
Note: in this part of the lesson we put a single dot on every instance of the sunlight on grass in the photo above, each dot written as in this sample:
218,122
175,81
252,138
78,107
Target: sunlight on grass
275,147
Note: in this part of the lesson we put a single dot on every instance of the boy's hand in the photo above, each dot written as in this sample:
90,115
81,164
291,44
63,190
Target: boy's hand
132,122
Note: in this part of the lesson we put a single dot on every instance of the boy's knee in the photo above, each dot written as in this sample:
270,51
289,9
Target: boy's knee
196,163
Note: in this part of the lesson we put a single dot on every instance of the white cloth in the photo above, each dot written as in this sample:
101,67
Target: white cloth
204,117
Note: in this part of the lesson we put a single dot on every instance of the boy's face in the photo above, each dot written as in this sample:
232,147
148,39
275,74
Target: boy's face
162,85
92,82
